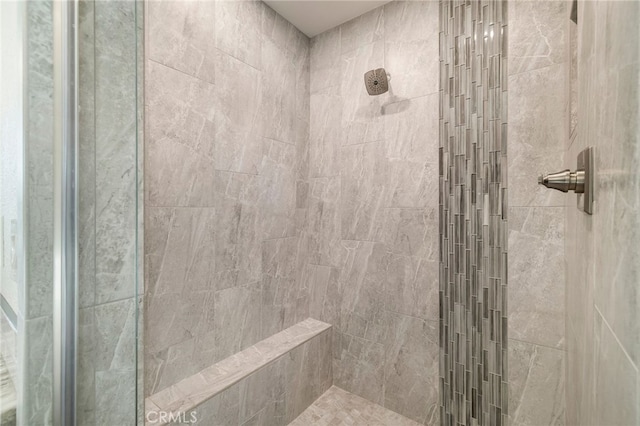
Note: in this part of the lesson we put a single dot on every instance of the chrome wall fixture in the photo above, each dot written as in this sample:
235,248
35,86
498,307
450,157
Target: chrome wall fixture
580,181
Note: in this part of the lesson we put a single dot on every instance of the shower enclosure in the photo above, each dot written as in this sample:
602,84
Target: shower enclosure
69,194
212,214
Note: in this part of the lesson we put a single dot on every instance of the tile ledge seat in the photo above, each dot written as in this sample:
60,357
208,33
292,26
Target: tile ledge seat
192,391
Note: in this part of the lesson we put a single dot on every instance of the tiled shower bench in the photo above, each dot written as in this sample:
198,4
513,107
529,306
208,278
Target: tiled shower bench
271,382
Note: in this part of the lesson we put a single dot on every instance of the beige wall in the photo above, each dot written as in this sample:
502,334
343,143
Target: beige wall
603,260
373,198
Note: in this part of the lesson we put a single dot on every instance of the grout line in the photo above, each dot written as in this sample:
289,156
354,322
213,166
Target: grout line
535,69
177,70
538,344
615,336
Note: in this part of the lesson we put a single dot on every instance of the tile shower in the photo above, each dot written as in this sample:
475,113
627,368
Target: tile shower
316,255
277,190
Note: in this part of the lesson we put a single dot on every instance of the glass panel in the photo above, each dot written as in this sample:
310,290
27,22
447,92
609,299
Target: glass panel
11,207
107,185
26,200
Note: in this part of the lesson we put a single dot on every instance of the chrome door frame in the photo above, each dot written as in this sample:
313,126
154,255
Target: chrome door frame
65,245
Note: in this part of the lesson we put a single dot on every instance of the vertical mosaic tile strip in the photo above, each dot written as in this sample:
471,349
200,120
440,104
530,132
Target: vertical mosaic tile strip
473,212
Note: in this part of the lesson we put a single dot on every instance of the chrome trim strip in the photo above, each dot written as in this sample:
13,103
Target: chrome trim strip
9,313
65,212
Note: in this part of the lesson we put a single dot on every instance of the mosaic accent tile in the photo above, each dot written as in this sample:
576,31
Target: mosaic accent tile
473,212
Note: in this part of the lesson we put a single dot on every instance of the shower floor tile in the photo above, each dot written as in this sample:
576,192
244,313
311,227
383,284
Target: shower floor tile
338,407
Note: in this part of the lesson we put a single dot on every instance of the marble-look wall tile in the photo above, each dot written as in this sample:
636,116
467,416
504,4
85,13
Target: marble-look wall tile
237,30
87,155
278,30
303,84
222,409
536,134
411,43
616,220
285,300
409,232
179,150
537,34
602,259
411,369
364,29
579,314
412,286
536,271
181,34
237,320
262,389
278,189
372,195
87,353
324,222
311,374
325,298
363,193
412,183
179,245
172,319
278,108
615,379
362,119
115,130
38,371
411,129
39,118
169,366
325,131
536,137
238,132
227,182
112,388
364,275
359,366
109,189
115,336
536,384
238,229
325,60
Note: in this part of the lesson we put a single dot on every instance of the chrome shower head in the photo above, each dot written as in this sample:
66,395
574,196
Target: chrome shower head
376,81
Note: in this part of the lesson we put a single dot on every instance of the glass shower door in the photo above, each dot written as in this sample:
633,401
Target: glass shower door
68,212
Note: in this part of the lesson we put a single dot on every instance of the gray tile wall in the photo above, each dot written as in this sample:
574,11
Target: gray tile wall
36,352
108,193
603,261
473,213
227,123
538,115
372,205
277,393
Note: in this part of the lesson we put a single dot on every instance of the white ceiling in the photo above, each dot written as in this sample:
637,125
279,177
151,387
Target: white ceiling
313,17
